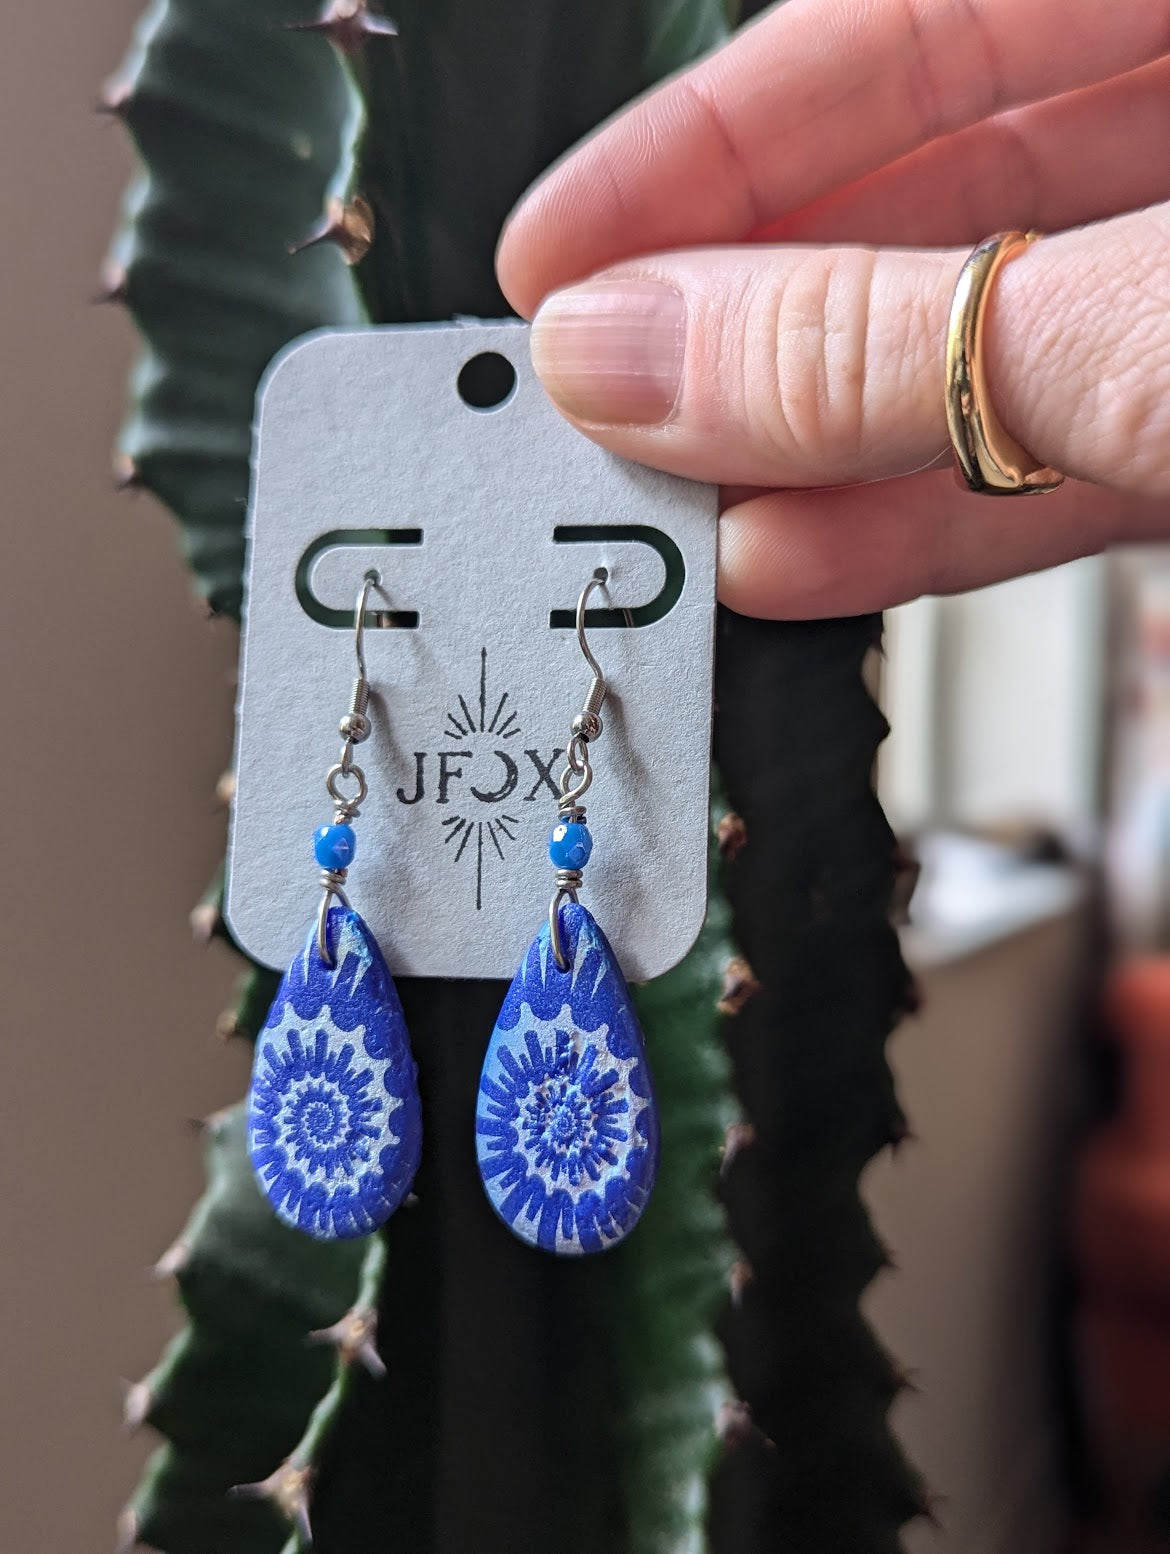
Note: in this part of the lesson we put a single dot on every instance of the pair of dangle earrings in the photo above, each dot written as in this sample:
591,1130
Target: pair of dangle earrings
566,1122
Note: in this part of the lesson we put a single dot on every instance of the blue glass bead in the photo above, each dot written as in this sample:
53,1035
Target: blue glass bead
334,846
570,844
566,1120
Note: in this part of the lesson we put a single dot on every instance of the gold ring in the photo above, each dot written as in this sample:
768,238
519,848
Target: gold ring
987,458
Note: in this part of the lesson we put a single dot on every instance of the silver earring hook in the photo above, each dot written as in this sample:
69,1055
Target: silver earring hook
587,724
371,581
577,777
598,580
354,729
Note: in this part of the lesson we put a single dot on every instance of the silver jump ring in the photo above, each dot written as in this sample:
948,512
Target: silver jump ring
340,798
577,754
572,794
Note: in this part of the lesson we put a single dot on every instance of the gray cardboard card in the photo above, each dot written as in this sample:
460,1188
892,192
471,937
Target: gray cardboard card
486,525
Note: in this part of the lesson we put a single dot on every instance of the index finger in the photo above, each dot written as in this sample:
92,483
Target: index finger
812,96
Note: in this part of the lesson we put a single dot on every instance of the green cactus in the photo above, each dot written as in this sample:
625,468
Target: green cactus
233,1391
687,1391
810,893
244,130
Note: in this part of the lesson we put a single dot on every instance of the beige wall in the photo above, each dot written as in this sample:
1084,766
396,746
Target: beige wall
116,721
972,1209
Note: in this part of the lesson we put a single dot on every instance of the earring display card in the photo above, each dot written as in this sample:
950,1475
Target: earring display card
431,454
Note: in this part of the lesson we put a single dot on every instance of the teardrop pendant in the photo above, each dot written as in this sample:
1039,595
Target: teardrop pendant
566,1122
334,1120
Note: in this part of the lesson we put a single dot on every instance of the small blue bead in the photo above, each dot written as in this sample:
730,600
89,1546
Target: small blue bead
333,846
570,845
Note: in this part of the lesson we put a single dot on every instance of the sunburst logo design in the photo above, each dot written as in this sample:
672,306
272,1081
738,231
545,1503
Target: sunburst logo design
475,838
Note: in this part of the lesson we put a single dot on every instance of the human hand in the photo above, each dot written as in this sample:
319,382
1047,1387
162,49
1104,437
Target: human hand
726,333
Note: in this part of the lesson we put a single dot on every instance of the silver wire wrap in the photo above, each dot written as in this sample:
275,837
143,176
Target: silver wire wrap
568,882
577,777
354,729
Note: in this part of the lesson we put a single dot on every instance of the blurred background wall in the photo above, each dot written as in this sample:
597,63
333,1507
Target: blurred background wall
116,721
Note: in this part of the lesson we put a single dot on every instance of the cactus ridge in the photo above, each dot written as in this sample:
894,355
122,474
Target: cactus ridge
233,1390
678,1269
244,131
809,881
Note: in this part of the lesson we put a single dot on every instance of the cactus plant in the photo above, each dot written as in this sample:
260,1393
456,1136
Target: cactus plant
709,1384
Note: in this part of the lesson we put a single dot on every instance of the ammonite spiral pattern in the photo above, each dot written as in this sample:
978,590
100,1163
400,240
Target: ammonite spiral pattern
566,1126
334,1123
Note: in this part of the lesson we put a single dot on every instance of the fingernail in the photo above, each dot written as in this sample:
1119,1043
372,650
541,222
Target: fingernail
612,351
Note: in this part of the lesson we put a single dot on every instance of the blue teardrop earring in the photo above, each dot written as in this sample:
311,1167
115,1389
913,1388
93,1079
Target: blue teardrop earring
334,1121
566,1121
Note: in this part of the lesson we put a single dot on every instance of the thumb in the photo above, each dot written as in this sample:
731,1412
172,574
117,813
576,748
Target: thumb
794,366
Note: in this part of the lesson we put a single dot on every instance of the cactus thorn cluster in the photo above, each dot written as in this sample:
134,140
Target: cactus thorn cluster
731,836
289,1489
112,284
349,25
206,918
172,1263
348,225
245,1018
228,1027
126,474
901,1134
739,1136
137,1401
929,1506
114,99
738,1279
355,1337
201,1126
905,1377
736,1427
127,1532
740,984
206,921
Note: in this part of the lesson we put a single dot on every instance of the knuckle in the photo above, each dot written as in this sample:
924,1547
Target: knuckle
1134,398
806,363
942,37
735,163
1101,394
1002,183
